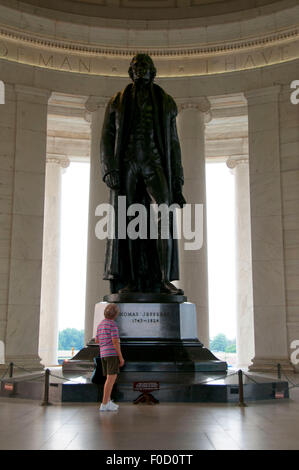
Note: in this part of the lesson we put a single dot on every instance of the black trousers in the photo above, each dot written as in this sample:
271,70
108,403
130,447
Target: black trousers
150,171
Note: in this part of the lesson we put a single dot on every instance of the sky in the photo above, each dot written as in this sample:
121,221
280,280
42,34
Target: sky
221,255
221,249
74,214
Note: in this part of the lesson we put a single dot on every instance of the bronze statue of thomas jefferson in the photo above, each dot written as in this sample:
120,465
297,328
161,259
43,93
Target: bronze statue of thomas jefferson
141,159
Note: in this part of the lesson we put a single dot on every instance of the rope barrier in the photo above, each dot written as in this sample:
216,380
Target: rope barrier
288,379
64,378
280,370
11,365
29,379
250,378
23,368
47,374
218,378
42,374
164,388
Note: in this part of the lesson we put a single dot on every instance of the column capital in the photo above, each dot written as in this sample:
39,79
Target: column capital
263,95
233,162
93,103
30,93
58,159
201,103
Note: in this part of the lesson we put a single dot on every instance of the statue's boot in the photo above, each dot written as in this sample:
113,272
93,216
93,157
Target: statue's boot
130,287
169,288
164,250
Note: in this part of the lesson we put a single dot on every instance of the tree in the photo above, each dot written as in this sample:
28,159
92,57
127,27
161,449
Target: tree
219,343
223,344
70,338
231,348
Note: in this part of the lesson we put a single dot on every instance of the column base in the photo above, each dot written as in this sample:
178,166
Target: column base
265,364
243,365
28,362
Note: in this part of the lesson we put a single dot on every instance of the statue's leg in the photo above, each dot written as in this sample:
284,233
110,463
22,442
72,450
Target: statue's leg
130,176
157,188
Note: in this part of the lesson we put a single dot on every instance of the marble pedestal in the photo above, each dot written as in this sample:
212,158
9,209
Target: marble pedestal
156,337
159,343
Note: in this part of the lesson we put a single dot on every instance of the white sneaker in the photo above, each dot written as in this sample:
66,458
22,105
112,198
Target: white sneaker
104,407
112,406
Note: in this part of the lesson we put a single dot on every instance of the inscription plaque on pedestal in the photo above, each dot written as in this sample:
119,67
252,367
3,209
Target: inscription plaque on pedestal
153,320
149,321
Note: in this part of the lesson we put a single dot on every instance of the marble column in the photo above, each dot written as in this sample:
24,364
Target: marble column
268,270
244,301
96,287
48,337
25,149
289,145
7,164
193,114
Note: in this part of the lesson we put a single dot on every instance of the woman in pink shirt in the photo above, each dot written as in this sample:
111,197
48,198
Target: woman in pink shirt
108,339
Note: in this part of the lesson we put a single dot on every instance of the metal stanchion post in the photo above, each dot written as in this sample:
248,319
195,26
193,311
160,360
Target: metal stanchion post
278,371
11,370
241,389
46,389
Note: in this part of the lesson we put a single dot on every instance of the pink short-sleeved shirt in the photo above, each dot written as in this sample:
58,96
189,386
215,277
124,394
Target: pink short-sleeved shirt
107,330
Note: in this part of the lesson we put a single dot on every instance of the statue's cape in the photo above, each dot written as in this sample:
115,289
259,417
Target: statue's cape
116,128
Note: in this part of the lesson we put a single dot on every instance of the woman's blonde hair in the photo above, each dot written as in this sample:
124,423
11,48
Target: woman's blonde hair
111,311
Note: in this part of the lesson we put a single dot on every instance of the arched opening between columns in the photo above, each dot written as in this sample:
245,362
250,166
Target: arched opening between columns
65,225
229,230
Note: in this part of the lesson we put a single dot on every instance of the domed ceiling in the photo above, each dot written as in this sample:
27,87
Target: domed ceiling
153,9
184,37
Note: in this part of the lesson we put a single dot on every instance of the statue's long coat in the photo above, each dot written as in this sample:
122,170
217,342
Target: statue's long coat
116,129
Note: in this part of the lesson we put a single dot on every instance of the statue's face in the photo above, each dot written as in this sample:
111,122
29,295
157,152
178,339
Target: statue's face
141,70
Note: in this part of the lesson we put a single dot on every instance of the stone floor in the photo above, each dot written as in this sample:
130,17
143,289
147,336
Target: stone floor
24,424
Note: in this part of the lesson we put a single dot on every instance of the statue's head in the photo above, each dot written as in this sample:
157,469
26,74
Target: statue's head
142,69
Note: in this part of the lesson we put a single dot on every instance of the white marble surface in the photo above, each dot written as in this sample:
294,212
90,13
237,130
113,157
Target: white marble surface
7,158
244,296
48,329
271,341
23,299
289,124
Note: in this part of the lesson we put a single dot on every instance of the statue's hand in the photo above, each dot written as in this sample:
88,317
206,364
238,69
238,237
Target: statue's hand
112,180
179,199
